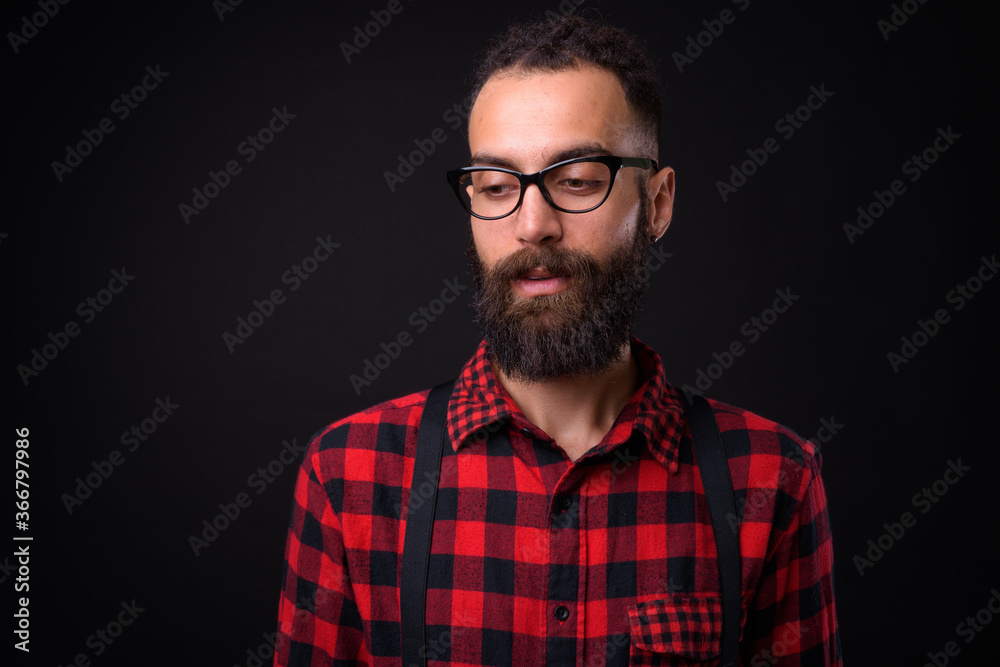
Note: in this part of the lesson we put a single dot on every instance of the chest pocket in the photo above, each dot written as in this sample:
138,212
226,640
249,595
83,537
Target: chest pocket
682,630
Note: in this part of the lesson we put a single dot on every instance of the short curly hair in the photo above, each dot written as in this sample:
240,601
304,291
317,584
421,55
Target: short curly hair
567,42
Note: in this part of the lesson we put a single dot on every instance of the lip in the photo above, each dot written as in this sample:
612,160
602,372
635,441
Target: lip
539,282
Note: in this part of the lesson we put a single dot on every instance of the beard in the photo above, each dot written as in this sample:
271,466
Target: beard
579,331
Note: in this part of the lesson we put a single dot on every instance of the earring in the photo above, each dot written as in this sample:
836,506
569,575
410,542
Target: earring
652,238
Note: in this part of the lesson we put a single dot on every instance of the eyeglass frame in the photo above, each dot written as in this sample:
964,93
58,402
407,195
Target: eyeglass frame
613,162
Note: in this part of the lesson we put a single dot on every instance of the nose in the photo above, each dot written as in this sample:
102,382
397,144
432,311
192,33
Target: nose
536,222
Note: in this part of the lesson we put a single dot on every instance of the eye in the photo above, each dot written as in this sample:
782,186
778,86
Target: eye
497,190
579,179
495,184
579,186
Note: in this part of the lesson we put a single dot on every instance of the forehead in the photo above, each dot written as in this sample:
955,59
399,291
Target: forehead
530,118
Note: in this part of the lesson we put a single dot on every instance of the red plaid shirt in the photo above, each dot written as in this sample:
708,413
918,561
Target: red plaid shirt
539,560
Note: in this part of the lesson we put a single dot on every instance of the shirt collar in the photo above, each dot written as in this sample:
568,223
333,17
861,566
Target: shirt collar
655,410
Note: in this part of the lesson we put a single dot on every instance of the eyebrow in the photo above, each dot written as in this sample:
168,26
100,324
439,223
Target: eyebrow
485,159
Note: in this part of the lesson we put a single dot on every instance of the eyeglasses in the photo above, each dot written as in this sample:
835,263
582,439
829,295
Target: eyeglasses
573,186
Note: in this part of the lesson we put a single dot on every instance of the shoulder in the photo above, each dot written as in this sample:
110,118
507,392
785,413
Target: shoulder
747,434
771,465
363,429
376,436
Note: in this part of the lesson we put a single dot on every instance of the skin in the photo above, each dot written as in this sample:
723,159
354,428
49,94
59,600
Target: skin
528,122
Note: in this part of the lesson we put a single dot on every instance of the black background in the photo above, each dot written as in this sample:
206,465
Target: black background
324,176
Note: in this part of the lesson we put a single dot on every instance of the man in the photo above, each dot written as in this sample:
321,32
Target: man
571,524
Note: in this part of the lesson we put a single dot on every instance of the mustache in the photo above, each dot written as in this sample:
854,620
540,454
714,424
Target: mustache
557,261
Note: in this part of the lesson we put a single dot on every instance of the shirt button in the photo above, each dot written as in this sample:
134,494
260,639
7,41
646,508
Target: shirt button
562,613
565,503
526,431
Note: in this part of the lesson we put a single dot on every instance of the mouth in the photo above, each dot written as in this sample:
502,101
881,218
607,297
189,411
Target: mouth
538,273
540,281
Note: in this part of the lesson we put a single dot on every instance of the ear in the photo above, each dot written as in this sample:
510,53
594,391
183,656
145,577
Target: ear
660,190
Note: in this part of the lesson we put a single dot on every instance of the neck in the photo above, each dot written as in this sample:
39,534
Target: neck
577,412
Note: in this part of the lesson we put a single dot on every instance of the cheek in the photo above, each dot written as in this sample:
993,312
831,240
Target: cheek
616,227
486,238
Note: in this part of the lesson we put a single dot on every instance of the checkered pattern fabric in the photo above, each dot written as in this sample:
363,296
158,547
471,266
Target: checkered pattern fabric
679,626
539,560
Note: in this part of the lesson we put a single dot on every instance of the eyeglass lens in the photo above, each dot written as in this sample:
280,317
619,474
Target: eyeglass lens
574,187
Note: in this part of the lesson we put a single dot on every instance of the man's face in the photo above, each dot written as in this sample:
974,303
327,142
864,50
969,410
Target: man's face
557,293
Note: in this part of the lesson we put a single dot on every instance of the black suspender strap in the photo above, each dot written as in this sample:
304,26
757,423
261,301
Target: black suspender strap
713,466
431,438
